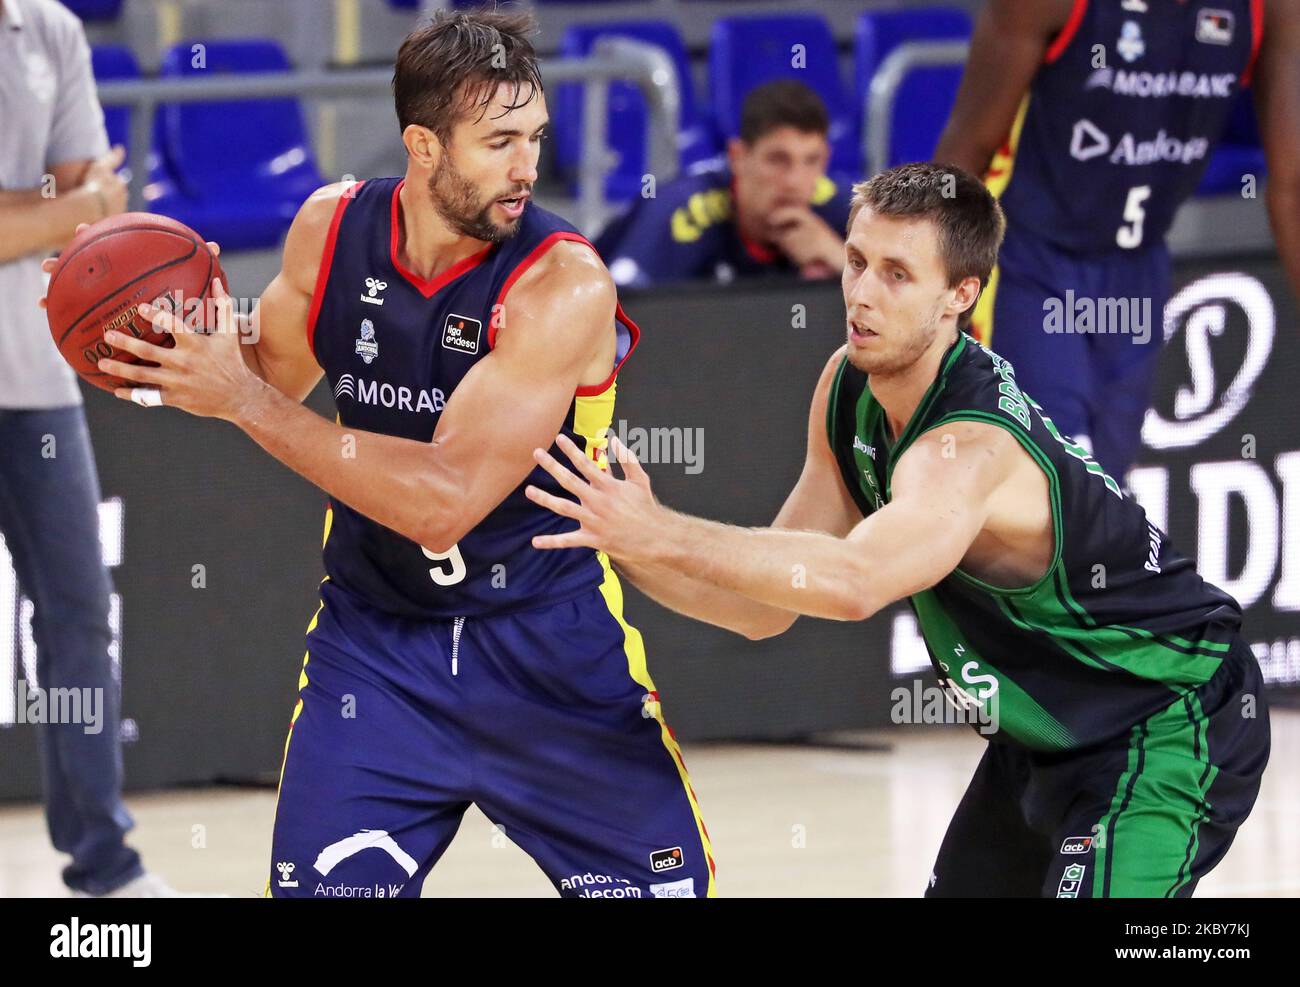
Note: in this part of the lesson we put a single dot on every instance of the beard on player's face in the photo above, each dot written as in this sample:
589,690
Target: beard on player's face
461,206
902,347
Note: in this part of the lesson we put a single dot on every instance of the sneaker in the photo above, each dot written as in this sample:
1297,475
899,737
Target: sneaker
147,885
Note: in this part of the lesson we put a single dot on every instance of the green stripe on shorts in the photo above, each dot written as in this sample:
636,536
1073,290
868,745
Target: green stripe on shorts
1151,828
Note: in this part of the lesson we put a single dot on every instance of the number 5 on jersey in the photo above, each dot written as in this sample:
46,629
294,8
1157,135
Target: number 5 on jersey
1129,236
453,569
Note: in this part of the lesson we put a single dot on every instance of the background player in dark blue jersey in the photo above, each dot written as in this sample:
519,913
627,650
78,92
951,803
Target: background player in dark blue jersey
769,208
1127,724
1093,121
459,325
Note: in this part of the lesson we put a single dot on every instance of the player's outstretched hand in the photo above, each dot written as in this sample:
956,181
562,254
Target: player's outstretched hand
204,373
619,517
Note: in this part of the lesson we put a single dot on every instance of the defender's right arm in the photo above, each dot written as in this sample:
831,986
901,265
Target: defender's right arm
818,502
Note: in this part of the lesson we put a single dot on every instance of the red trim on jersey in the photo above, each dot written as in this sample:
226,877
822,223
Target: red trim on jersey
432,286
1256,38
1067,33
533,257
755,249
326,261
593,389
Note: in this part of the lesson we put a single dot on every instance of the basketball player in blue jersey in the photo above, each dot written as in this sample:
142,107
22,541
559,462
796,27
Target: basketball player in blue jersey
1093,121
450,662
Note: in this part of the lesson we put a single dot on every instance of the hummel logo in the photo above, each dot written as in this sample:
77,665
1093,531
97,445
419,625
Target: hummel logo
373,288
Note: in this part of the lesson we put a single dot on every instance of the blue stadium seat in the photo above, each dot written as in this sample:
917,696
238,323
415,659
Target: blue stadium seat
1238,152
95,10
628,126
236,171
926,95
115,62
745,52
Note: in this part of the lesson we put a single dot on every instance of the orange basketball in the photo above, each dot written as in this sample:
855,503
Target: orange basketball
112,267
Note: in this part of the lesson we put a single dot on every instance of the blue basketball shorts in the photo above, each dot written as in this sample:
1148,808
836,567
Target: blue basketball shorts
546,719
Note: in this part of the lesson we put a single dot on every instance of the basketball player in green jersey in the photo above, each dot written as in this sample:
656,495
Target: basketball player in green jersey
1130,728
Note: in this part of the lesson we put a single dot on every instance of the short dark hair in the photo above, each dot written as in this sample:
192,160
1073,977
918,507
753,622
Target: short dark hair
969,219
458,60
783,103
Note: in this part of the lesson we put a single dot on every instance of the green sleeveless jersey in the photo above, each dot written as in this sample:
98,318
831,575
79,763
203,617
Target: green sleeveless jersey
1120,625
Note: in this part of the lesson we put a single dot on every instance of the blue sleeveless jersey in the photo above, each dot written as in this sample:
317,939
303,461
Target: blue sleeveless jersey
1120,120
394,347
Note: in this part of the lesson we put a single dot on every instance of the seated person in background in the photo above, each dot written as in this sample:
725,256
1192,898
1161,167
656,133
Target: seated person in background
768,208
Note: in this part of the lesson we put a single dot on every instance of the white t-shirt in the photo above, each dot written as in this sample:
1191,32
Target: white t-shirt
49,114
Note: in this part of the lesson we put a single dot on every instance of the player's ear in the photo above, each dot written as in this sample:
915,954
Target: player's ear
965,295
422,145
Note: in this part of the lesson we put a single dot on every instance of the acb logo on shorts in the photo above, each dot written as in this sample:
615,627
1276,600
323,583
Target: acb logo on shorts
662,860
1076,844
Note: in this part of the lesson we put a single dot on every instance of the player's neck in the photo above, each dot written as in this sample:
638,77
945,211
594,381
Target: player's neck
426,245
900,393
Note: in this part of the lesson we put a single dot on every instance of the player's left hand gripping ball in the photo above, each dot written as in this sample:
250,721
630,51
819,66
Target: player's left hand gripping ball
204,373
619,517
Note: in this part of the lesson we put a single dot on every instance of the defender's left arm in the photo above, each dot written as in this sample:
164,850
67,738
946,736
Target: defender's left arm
941,491
1277,105
558,315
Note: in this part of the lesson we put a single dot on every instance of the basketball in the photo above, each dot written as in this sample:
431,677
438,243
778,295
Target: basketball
112,267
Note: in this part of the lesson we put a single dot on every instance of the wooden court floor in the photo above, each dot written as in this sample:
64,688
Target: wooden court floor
785,821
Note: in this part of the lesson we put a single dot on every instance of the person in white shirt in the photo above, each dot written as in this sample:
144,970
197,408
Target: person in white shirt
57,172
